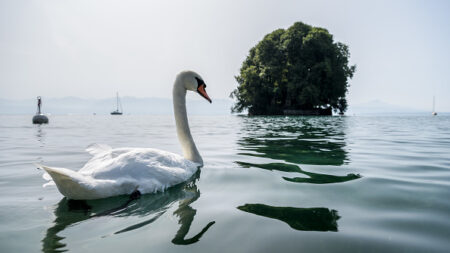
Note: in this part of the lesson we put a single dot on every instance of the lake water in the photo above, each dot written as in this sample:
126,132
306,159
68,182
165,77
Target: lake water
269,184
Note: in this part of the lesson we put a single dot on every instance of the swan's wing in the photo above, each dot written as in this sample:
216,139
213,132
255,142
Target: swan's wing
72,184
151,170
137,163
95,149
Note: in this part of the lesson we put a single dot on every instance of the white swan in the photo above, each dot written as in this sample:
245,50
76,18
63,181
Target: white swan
120,171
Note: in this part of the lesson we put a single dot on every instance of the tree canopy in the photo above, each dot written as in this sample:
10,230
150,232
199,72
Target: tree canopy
300,68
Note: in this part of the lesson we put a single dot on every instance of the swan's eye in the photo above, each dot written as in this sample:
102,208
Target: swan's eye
200,82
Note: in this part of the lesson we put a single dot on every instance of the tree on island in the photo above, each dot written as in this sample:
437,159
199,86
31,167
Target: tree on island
300,69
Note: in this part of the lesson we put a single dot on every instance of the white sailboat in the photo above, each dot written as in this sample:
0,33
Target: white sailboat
117,112
434,113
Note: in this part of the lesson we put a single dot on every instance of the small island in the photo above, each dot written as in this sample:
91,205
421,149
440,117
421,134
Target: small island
298,71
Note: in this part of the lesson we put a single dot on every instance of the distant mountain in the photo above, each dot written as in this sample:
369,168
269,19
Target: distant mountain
131,105
162,106
380,107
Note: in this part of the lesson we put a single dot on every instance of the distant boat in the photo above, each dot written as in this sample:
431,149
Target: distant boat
434,113
117,112
39,118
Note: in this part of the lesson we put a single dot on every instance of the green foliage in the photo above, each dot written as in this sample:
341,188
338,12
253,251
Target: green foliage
297,68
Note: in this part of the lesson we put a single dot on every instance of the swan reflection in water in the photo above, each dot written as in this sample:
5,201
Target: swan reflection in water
71,212
305,219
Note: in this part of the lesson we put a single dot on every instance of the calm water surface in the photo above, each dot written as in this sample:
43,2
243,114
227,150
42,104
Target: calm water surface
269,184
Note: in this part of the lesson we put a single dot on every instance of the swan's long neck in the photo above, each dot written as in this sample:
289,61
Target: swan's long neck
190,151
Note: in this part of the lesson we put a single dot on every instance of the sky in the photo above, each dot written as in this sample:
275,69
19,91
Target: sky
91,49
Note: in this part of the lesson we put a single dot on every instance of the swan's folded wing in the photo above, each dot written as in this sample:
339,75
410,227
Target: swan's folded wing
71,184
95,149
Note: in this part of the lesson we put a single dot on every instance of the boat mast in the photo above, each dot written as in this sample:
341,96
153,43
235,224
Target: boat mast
434,113
117,102
433,104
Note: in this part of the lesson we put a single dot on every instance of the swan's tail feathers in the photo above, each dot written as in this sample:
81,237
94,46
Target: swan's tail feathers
95,149
70,183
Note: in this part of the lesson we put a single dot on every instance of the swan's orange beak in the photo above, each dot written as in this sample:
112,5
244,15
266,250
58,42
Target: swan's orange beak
201,90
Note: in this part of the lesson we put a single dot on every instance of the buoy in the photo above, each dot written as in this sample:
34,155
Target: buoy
39,118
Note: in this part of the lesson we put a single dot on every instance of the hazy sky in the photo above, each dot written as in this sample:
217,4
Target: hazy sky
94,48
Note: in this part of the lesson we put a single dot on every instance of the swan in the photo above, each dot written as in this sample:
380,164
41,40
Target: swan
119,171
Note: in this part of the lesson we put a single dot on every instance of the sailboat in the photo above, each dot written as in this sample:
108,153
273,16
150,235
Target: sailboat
117,112
434,113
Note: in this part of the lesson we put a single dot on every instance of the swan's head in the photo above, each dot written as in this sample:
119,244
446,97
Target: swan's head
194,82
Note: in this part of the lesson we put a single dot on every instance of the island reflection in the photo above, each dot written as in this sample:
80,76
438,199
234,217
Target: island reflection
313,178
292,142
296,140
73,212
299,140
305,219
